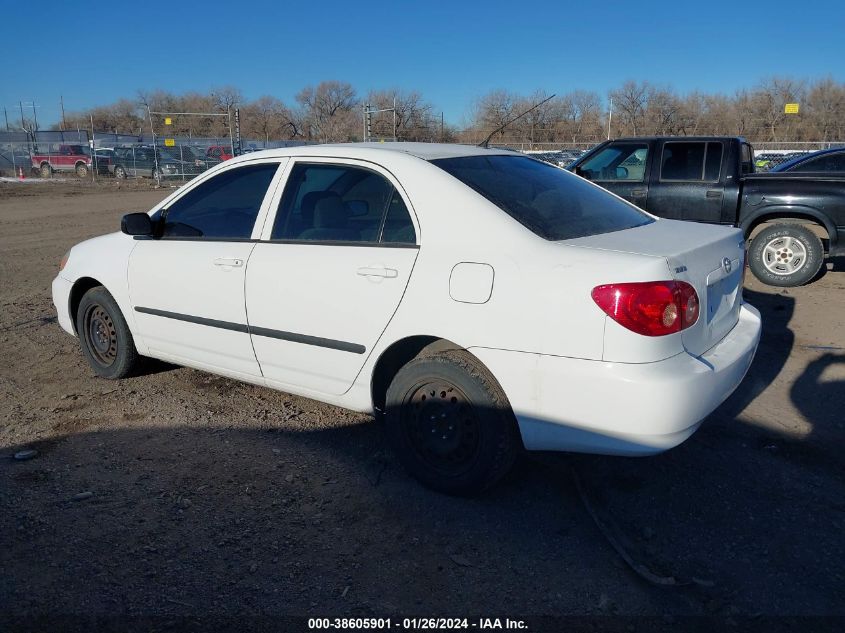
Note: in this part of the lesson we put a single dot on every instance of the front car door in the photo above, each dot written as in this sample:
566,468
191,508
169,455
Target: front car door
689,181
324,285
187,284
621,167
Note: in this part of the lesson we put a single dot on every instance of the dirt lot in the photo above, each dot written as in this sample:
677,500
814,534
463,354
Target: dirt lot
214,498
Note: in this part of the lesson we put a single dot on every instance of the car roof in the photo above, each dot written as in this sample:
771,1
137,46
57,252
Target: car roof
425,151
805,157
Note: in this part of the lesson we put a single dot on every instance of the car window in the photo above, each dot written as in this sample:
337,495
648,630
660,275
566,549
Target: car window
549,201
620,161
691,161
829,162
225,206
398,227
339,203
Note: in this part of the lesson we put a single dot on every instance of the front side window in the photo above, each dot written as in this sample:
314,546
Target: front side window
223,207
547,200
830,162
618,162
341,203
691,161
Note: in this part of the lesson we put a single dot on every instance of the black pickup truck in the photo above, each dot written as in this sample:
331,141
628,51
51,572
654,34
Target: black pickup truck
712,179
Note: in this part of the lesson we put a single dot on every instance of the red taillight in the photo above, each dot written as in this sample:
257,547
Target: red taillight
651,308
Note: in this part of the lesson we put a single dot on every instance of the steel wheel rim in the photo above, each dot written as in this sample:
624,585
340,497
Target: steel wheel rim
784,255
100,335
441,426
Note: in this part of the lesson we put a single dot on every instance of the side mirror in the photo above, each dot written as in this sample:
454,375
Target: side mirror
136,224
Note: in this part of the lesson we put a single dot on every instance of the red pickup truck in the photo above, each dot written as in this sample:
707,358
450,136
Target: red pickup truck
67,158
219,152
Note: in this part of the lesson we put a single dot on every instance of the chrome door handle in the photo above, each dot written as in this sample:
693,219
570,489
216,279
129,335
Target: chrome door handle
229,261
378,271
639,193
713,193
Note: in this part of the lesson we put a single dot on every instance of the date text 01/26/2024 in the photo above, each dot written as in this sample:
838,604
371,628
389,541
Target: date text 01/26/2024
416,624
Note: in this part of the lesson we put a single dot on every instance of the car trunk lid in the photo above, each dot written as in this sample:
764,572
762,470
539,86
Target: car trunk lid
710,258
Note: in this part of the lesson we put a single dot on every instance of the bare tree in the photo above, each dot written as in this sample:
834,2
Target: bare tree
328,110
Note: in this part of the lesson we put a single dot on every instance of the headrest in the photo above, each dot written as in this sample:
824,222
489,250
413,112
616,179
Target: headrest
309,202
330,212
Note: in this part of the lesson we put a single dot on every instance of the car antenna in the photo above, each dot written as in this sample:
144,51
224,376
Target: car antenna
486,141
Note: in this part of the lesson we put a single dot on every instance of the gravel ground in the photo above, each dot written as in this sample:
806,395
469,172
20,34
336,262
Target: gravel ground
179,494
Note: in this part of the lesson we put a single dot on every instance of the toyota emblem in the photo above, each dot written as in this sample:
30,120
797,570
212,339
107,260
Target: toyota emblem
726,264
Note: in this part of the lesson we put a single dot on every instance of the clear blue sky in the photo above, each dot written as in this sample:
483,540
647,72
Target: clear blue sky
452,52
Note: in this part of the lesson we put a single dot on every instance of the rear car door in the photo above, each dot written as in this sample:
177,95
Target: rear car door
688,184
187,284
621,167
322,289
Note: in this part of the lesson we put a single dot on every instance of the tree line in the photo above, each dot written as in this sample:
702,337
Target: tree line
331,111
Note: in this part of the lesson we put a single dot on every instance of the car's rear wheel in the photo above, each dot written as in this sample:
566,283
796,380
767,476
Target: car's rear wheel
786,255
157,175
46,171
450,423
105,338
120,172
81,170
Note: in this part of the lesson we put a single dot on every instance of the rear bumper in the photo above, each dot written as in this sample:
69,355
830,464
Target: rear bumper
565,404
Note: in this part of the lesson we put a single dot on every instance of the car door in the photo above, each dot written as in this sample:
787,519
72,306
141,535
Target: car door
689,183
324,285
186,285
621,167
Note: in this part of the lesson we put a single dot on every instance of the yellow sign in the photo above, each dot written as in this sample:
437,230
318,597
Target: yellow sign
168,121
790,108
169,142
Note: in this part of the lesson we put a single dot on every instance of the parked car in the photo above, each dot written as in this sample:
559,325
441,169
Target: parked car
826,161
66,158
712,179
148,162
550,314
219,152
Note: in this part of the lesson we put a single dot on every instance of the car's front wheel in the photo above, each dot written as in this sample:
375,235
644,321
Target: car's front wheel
46,170
120,172
785,255
450,423
81,170
105,338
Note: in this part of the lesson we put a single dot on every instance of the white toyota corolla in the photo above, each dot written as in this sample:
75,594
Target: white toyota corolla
480,300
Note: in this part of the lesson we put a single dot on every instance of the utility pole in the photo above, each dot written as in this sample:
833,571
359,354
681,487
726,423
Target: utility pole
609,118
441,126
23,123
6,115
34,115
62,103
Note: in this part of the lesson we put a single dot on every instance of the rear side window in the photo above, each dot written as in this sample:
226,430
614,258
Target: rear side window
691,161
224,206
549,201
341,203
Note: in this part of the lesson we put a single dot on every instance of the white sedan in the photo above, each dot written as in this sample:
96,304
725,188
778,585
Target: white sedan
480,300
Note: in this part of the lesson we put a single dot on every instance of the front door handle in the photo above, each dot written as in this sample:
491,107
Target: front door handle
229,261
714,193
378,271
638,193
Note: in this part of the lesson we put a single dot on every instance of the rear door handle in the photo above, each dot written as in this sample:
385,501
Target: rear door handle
229,261
638,193
378,271
714,193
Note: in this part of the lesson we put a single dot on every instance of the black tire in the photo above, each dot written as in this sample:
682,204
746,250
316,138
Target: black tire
786,255
157,175
120,172
46,171
81,170
450,423
105,338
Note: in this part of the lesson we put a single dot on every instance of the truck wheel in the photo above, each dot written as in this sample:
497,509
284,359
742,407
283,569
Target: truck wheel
81,170
785,255
46,170
157,175
450,423
105,338
120,172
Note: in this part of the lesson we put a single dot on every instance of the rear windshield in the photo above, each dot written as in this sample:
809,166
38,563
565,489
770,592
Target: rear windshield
549,201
